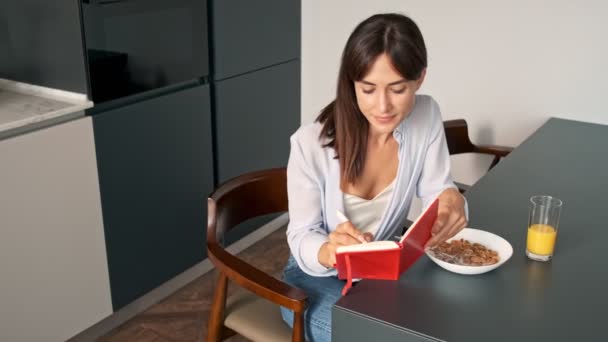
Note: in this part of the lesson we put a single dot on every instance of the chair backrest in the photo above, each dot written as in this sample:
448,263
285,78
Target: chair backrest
458,141
241,198
457,136
248,196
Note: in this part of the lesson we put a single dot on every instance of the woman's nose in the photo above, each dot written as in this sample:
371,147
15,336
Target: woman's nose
385,103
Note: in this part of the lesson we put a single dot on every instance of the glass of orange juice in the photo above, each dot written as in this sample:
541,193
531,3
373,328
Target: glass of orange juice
542,227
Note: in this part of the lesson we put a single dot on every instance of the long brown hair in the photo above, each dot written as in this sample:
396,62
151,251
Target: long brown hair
343,123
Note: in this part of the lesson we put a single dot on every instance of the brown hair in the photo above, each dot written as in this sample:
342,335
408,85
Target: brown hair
343,123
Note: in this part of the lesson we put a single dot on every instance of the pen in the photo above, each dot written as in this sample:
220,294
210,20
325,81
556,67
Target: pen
342,218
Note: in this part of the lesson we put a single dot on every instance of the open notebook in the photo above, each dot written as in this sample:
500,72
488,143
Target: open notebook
386,259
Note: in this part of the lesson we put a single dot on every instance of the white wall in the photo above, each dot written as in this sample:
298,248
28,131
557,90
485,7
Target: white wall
504,66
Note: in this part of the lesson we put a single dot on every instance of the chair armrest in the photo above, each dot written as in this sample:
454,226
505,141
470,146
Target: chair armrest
462,187
501,151
257,281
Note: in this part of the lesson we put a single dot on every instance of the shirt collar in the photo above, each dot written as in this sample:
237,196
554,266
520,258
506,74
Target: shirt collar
399,130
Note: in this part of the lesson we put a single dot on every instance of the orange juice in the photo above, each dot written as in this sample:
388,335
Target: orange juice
541,239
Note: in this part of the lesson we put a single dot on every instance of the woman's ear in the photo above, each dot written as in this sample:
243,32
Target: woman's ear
420,79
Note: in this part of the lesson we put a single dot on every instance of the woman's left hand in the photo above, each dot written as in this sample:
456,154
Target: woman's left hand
450,217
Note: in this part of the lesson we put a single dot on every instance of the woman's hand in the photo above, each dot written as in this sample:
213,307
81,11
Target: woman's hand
345,234
450,217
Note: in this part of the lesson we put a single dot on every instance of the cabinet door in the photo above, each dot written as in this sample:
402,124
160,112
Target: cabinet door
155,171
52,255
249,35
256,113
41,42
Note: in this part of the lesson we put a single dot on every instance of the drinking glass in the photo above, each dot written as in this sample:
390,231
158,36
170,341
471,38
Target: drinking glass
542,227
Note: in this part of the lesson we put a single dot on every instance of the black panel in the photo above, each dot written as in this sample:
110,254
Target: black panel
41,43
255,115
138,45
155,170
248,35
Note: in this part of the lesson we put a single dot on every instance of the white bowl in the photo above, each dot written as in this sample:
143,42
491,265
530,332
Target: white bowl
491,241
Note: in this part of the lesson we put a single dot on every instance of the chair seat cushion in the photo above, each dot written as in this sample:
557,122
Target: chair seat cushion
256,318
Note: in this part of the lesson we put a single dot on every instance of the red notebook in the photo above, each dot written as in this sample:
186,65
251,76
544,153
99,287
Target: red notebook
386,259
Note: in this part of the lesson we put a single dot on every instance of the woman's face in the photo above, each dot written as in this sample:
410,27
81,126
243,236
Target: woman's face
384,96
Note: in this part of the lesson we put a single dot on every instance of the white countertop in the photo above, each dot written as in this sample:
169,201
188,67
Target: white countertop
23,104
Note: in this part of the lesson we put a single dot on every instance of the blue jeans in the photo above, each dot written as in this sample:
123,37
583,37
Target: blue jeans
322,293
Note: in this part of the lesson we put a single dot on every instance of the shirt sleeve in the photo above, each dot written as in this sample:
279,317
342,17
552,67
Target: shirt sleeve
435,176
305,231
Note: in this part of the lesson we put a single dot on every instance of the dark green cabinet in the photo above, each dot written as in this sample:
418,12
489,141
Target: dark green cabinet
155,172
256,69
256,113
41,43
250,35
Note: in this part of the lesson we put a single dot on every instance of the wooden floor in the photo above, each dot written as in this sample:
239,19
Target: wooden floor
183,315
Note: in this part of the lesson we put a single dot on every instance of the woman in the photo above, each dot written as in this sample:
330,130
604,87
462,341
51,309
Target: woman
369,152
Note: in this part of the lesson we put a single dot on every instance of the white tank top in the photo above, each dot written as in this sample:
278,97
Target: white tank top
366,214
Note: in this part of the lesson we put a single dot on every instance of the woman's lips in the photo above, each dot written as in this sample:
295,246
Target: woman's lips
385,119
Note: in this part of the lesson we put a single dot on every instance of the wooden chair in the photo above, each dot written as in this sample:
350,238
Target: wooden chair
255,313
457,136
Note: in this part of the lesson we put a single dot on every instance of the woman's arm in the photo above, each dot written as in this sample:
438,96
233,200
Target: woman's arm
435,181
305,232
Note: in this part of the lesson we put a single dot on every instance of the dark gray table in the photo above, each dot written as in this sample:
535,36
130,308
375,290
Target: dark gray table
523,300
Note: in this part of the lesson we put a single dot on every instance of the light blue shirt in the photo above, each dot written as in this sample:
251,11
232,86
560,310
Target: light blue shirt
313,182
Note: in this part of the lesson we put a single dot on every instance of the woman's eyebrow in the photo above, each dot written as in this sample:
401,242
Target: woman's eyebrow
390,84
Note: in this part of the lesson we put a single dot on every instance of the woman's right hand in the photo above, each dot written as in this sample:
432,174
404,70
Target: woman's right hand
345,234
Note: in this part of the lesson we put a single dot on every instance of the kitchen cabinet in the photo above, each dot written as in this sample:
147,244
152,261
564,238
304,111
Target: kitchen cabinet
255,115
155,172
250,35
255,87
41,43
52,252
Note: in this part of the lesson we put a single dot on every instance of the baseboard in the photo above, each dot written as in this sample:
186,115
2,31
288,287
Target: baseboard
144,302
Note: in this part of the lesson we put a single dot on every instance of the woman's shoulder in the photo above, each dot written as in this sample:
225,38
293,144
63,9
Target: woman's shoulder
426,111
424,118
426,104
308,143
309,149
309,135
